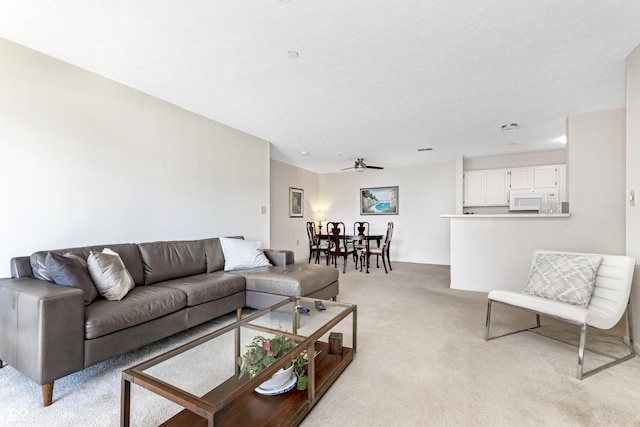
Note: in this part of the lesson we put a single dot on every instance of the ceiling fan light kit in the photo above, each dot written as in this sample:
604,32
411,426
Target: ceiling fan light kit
361,166
509,127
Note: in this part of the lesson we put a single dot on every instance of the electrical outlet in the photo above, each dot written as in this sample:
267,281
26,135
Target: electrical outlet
297,242
263,210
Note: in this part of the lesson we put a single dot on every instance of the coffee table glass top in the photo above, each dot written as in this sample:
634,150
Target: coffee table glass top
206,370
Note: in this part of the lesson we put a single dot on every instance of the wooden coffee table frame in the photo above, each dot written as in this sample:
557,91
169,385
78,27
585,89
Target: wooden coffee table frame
234,402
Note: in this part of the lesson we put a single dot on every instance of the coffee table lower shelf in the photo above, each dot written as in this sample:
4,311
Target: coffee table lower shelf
288,409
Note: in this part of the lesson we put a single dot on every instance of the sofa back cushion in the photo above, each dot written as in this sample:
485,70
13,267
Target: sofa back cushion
214,254
128,252
170,260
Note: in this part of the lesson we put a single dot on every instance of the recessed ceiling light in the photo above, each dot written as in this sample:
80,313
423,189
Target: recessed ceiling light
509,127
293,54
304,153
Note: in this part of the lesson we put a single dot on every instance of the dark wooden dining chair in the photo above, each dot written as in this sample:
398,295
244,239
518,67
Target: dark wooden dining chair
315,246
382,251
360,241
338,244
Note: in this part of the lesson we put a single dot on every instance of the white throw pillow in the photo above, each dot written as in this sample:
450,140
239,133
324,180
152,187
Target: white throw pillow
109,274
242,254
563,277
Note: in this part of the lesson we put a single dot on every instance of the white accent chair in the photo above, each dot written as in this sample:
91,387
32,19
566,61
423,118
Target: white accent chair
608,303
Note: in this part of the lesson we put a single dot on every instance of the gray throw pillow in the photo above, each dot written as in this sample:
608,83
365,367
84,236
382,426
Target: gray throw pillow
563,277
68,270
110,275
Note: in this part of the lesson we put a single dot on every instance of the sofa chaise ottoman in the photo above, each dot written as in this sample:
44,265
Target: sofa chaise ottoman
48,331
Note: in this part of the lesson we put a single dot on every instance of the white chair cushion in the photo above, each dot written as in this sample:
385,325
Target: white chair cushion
561,310
608,301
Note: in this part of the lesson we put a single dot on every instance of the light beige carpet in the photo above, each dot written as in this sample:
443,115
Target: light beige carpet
421,361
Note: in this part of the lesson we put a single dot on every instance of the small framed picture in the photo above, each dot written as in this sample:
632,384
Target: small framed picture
379,201
296,203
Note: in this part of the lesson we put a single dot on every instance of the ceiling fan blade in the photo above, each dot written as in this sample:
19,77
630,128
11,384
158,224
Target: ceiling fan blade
374,167
344,169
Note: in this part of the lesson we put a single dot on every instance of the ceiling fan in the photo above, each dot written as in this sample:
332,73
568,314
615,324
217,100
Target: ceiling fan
360,166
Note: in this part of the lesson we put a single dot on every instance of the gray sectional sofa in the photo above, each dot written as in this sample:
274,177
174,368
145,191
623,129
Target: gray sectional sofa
47,331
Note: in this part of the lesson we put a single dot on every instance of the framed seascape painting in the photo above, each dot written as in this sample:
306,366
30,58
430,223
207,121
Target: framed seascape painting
379,201
296,203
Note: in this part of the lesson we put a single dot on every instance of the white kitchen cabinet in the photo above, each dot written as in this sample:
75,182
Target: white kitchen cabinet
562,183
474,186
545,177
490,187
521,178
486,188
496,187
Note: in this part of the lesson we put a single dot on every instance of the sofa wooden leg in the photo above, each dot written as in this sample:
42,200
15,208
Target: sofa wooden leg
1,364
47,393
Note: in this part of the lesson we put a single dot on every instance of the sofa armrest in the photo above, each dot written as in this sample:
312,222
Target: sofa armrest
20,267
279,257
41,328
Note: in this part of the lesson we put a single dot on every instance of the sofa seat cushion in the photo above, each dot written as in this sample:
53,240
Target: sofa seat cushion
206,287
142,303
289,280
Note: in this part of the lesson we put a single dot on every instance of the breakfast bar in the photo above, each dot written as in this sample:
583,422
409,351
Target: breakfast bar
493,251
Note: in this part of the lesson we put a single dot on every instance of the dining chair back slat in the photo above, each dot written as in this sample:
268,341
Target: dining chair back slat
315,246
382,251
337,244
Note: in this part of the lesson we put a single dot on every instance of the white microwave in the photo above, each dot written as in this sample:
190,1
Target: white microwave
527,200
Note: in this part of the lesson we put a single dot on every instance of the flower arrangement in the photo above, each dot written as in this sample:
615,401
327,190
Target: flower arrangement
263,352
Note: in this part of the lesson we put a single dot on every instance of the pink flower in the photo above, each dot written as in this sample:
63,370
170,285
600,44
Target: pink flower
267,345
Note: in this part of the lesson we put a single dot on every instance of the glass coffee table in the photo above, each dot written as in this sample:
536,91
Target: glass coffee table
203,376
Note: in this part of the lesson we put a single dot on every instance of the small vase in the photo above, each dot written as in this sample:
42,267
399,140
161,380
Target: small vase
278,379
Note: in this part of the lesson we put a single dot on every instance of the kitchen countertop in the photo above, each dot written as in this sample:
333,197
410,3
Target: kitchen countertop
509,215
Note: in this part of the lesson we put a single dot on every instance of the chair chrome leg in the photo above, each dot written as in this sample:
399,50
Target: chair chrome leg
629,325
488,321
582,374
583,341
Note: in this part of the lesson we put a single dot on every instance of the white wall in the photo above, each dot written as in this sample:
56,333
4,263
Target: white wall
495,253
290,233
425,192
84,160
633,180
516,160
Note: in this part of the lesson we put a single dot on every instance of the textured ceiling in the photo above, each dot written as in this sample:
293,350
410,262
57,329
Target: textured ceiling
374,79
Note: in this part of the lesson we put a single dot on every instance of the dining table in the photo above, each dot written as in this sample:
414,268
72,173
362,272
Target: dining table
358,238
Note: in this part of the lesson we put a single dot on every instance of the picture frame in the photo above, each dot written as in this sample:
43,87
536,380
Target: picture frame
379,201
296,202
